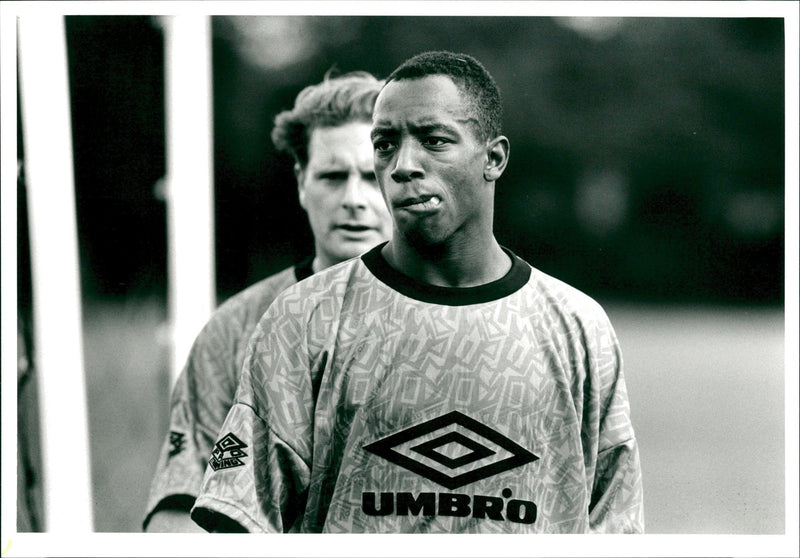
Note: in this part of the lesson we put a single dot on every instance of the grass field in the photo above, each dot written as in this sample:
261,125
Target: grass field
706,388
707,397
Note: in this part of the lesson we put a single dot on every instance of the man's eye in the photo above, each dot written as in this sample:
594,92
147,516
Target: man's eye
382,146
333,176
433,141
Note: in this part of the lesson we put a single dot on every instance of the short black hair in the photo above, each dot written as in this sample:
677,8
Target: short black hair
469,75
334,101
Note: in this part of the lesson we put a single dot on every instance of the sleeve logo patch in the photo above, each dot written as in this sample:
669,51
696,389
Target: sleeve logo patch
177,442
227,453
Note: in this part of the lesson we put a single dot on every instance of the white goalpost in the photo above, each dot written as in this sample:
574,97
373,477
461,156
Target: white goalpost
44,91
58,341
189,184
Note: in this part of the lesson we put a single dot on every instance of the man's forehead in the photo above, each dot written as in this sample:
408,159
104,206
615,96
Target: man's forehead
340,145
434,120
427,101
434,87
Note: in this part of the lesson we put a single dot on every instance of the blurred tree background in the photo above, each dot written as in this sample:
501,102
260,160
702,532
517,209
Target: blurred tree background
647,159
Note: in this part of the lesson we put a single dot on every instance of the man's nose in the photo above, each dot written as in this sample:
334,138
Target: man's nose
406,166
354,193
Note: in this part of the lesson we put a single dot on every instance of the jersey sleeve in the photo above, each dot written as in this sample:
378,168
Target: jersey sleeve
258,475
248,485
201,398
616,505
204,393
614,469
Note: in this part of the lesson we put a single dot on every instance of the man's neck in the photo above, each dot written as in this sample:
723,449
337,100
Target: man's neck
449,264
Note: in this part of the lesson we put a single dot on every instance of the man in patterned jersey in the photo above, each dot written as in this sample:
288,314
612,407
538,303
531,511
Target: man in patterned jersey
438,383
327,133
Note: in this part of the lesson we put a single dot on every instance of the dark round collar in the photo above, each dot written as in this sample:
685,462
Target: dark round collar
511,282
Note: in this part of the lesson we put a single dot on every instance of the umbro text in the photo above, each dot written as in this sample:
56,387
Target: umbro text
448,504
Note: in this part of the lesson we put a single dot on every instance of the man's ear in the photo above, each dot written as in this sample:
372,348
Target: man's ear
300,175
497,151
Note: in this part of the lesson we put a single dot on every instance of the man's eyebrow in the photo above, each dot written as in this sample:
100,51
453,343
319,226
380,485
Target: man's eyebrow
416,129
381,131
422,129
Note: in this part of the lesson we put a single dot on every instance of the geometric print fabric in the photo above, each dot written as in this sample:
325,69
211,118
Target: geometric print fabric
204,391
519,403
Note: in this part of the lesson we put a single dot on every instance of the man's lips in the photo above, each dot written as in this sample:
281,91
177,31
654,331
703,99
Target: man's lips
353,227
426,200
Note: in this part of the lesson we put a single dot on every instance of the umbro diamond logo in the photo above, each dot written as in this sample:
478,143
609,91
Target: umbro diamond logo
452,450
227,453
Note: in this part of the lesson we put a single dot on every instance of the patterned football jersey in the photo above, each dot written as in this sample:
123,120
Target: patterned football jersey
203,393
370,402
